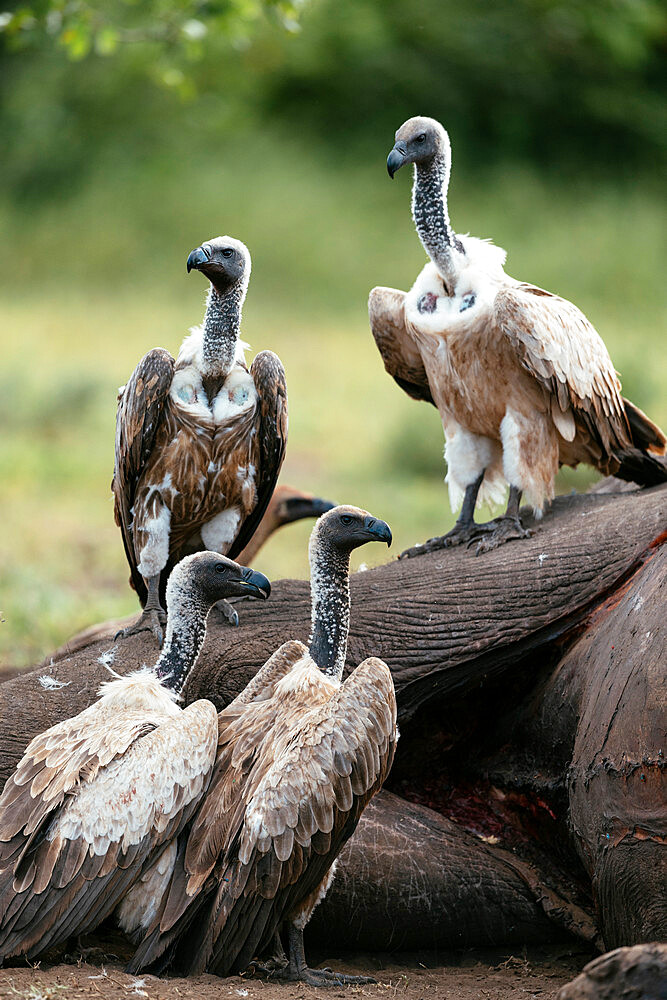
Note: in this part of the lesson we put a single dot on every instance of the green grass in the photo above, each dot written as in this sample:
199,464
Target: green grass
89,284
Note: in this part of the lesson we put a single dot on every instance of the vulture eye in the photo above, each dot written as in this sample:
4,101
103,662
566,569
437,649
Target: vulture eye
346,519
420,137
227,252
220,567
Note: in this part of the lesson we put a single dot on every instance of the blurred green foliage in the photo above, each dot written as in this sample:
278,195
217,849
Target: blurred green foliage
548,81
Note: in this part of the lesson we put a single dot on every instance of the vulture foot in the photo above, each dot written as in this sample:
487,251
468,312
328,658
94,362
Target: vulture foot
228,612
497,532
461,534
298,972
320,977
151,620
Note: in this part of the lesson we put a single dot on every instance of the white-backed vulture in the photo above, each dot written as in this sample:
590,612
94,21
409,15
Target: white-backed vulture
200,440
522,381
288,504
89,819
300,753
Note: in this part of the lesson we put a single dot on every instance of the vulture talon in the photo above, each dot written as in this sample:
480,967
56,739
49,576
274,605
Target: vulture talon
498,532
151,620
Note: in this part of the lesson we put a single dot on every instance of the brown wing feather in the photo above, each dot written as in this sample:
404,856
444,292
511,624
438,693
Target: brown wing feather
70,850
278,812
140,406
562,350
386,313
271,439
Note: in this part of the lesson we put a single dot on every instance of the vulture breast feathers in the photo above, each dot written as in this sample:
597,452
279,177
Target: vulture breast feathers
92,805
189,461
296,766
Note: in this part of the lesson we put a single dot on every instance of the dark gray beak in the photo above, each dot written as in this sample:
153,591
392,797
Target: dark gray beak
197,258
379,531
256,584
395,160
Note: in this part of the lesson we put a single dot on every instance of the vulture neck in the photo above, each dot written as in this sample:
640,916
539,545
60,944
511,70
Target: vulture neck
431,217
330,608
186,630
222,323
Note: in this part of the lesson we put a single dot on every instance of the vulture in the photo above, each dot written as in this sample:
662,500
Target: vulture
288,504
199,441
300,753
521,379
90,817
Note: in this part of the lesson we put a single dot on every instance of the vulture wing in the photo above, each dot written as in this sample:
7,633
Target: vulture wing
70,854
386,312
270,439
562,350
264,682
281,806
140,406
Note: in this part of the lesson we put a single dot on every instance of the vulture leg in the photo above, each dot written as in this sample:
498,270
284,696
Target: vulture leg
463,532
153,617
502,529
298,971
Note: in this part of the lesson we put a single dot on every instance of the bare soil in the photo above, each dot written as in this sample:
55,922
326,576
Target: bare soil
538,973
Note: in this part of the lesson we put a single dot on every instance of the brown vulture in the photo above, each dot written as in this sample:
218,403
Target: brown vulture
90,818
300,753
199,441
522,381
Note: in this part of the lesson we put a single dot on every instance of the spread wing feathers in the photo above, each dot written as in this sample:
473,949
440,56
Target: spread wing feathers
280,818
268,375
386,312
559,347
73,868
140,406
263,683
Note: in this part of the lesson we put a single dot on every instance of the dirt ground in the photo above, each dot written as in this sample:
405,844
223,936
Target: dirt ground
472,976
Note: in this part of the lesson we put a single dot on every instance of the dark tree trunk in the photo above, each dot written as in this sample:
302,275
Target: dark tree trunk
517,717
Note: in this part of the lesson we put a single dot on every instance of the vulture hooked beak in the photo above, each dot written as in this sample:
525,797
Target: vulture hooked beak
197,258
256,584
378,531
396,159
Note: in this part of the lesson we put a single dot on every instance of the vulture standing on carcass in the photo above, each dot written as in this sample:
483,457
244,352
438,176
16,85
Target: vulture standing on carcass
300,754
287,505
522,381
90,818
199,441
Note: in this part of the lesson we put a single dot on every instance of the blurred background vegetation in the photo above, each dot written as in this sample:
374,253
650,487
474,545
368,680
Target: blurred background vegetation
132,131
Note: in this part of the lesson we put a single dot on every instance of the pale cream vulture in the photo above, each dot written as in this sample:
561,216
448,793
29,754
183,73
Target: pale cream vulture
199,441
90,818
300,753
522,381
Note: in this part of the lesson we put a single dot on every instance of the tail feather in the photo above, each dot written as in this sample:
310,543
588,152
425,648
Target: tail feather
645,434
637,466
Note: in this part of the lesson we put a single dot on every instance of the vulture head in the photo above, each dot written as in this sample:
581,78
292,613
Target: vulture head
420,141
204,578
292,504
224,260
345,528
